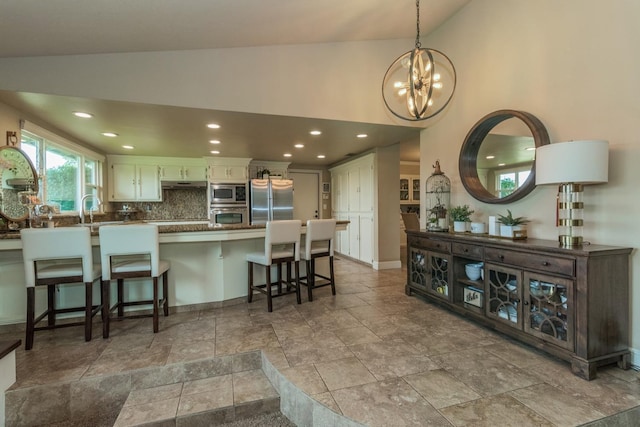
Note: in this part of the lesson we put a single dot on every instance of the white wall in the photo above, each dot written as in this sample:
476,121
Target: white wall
331,81
574,65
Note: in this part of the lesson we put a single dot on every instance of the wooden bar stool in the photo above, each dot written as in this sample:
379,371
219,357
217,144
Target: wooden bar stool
281,245
52,257
318,243
127,252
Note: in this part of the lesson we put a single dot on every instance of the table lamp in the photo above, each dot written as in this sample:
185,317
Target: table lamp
572,164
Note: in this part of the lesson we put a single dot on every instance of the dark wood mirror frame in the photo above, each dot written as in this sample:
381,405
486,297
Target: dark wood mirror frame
469,154
25,166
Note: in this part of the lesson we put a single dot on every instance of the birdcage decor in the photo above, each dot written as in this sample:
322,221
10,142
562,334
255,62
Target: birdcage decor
438,190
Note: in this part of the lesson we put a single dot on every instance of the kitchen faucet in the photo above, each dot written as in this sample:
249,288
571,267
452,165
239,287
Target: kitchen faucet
84,198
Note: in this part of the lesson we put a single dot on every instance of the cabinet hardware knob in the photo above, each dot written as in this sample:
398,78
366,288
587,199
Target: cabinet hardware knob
466,250
501,257
545,263
526,303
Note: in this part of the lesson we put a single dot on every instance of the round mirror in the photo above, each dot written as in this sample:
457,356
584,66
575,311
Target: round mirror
19,184
497,160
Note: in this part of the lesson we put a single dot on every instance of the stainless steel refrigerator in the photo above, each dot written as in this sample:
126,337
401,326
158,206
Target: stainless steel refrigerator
270,200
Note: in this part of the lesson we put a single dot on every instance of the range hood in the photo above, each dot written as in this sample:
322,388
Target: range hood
172,185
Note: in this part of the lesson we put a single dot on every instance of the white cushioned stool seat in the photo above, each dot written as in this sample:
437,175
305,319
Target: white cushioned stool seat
57,256
318,243
132,251
281,246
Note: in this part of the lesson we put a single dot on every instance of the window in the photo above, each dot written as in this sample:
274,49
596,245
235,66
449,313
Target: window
66,171
508,182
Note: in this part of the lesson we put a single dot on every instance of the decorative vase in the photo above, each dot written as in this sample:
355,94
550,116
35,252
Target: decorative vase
507,230
459,226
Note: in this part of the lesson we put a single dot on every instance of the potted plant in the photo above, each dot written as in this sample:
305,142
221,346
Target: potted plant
512,227
460,215
439,218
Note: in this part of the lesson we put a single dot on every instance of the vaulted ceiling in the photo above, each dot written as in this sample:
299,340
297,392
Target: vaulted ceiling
76,27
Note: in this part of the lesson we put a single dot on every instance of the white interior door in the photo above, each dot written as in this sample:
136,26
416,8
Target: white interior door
305,195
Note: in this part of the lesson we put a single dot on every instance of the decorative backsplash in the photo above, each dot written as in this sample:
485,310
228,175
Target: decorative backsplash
184,203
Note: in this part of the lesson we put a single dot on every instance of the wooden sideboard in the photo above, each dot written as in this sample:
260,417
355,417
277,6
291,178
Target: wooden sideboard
570,302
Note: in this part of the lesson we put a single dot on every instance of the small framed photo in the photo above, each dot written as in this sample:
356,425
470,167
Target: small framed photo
326,187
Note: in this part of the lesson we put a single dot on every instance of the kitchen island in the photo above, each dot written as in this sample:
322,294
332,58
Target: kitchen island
208,267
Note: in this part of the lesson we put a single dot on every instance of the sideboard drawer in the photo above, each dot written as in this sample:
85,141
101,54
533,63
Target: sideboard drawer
545,263
431,244
473,251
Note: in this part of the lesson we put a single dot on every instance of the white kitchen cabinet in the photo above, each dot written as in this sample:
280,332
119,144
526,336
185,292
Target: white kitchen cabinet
132,182
409,189
228,169
179,172
353,200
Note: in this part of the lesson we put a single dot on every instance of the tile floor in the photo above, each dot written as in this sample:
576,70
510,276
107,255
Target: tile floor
370,353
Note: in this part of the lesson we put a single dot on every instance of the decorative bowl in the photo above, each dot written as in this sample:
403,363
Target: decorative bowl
473,271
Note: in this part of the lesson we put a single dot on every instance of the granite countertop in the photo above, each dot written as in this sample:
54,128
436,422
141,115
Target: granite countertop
172,226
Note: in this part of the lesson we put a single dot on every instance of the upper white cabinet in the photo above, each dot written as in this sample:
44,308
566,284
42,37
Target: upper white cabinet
134,182
184,170
228,169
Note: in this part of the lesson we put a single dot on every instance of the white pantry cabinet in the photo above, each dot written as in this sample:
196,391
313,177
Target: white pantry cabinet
353,199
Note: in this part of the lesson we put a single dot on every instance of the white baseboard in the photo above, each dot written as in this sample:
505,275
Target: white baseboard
386,265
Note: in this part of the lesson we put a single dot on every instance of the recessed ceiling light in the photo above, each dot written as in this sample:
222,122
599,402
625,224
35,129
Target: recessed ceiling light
287,154
530,148
215,152
321,156
128,147
299,145
82,114
214,141
315,132
362,135
490,157
501,164
213,126
110,134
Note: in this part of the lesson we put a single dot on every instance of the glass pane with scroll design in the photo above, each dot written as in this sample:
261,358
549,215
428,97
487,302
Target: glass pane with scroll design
503,295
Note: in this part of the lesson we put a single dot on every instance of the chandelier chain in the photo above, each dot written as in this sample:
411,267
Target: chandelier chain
418,44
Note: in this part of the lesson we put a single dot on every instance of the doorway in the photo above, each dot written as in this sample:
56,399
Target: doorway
306,194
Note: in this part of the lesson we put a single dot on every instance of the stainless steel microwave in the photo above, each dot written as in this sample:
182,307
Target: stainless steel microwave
228,194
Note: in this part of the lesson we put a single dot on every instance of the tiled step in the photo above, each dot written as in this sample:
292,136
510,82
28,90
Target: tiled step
98,400
208,401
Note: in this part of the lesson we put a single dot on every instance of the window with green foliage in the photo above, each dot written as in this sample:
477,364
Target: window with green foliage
508,182
65,174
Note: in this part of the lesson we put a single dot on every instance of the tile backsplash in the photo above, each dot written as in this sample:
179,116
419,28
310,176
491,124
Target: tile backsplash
184,203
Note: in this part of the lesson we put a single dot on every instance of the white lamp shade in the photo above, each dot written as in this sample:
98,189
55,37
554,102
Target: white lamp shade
578,162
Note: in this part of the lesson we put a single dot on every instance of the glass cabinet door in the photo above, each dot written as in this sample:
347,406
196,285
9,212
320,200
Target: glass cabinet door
415,189
549,312
439,274
404,189
418,267
430,271
504,287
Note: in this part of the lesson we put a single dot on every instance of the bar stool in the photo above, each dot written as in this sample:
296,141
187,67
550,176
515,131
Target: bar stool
281,245
127,252
318,243
54,257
